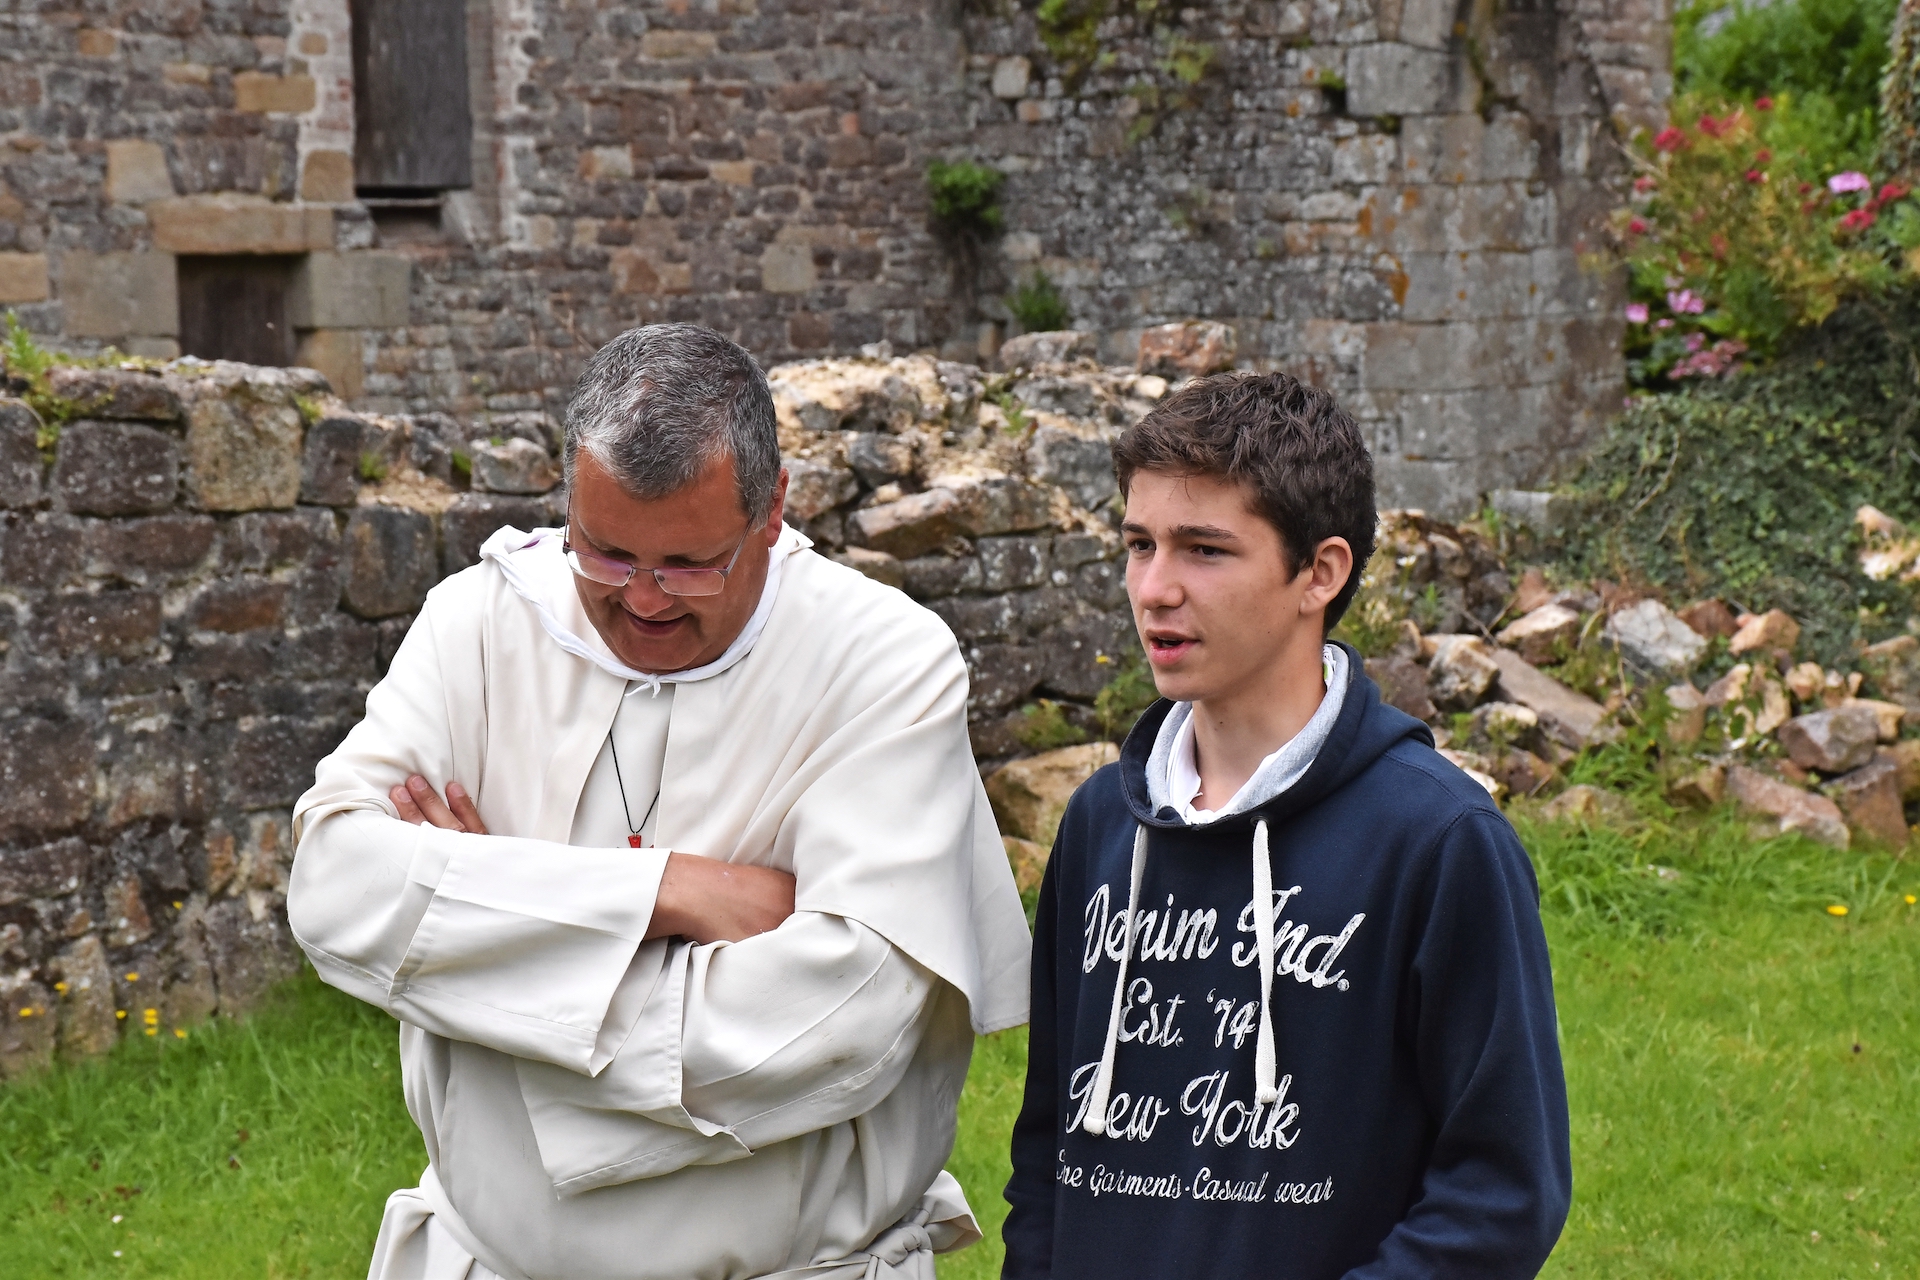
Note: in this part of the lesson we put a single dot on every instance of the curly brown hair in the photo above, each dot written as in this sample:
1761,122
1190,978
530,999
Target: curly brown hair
1307,471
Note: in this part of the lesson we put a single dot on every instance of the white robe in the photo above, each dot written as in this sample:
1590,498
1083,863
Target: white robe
598,1107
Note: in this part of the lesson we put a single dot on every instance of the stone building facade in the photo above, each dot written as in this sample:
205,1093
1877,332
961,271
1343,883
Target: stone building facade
1389,197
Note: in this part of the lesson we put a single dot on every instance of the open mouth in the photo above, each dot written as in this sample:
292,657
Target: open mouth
1166,648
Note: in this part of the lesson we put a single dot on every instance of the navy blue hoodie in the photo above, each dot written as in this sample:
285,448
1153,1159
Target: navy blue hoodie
1416,1119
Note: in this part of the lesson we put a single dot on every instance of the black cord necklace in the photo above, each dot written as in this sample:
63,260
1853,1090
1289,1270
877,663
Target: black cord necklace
634,840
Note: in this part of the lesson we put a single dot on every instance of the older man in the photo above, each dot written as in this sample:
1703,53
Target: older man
663,841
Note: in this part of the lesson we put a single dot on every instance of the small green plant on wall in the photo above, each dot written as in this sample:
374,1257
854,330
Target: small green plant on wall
1038,306
966,196
1070,31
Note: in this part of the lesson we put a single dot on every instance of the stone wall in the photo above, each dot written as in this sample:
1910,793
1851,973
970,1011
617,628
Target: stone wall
204,568
1390,198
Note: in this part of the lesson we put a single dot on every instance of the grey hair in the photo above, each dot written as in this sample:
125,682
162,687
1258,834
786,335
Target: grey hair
658,405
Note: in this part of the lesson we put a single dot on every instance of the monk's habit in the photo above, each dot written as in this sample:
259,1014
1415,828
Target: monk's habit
599,1107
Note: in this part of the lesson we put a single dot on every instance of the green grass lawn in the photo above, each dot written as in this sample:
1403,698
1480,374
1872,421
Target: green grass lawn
1744,1070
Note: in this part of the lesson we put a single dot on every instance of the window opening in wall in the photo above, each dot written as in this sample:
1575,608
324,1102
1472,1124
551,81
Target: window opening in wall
413,130
234,307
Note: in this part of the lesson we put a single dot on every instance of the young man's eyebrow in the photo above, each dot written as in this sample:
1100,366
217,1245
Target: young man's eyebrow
1204,532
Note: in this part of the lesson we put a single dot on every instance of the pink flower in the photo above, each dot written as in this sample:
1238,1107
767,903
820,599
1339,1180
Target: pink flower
1686,302
1695,341
1763,104
1715,362
1643,184
1669,139
1893,191
1755,175
1664,322
1851,180
1636,313
1637,227
1857,220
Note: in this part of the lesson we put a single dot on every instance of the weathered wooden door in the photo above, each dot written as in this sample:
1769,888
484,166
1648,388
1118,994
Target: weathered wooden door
413,130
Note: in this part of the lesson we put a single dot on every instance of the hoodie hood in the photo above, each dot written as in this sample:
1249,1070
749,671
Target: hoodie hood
1365,730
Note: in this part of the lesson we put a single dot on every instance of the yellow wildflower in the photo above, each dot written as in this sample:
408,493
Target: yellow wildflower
178,1034
133,977
1911,899
60,987
1836,910
119,1013
27,1012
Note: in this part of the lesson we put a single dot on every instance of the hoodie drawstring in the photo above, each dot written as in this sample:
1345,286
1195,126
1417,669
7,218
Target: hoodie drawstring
1265,1059
1096,1121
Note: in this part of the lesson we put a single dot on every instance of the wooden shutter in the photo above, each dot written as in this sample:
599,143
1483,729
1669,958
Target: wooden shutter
235,308
413,130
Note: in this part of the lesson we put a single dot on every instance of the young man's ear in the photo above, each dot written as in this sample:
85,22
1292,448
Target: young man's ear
1330,568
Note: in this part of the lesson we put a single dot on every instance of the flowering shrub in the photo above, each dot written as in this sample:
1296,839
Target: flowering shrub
1734,236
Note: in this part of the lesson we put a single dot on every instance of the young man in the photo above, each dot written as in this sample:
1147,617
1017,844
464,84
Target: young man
1292,1013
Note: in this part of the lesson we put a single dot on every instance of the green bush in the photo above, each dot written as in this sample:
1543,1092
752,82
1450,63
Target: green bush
1038,306
1834,49
966,195
1747,488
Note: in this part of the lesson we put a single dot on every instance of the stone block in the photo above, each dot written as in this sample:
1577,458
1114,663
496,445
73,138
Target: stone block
44,871
813,489
255,91
1538,634
126,394
787,268
1870,798
1689,718
1814,816
1403,684
166,774
1772,632
1084,654
1059,346
273,759
879,457
1401,80
1837,740
391,561
1028,860
678,44
326,177
26,1026
1887,715
932,577
1189,349
1082,467
1029,796
912,526
1568,718
1011,76
116,624
243,453
1710,618
87,1027
878,565
1588,805
20,464
23,278
350,291
1700,788
339,356
1003,676
1651,637
46,776
330,461
1012,563
518,466
239,604
233,223
1460,672
137,172
474,517
249,953
116,469
118,295
998,504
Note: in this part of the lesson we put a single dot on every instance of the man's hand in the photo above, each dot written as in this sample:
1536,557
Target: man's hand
711,901
418,802
700,898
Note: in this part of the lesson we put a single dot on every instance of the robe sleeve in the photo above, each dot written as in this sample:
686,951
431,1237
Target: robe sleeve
735,1046
512,943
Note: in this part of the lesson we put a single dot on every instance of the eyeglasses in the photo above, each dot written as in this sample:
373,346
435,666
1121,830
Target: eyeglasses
674,582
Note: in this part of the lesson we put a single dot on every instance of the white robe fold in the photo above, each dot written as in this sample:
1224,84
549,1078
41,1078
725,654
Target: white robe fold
595,1106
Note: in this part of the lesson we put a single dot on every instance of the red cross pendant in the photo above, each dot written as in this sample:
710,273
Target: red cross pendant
636,842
